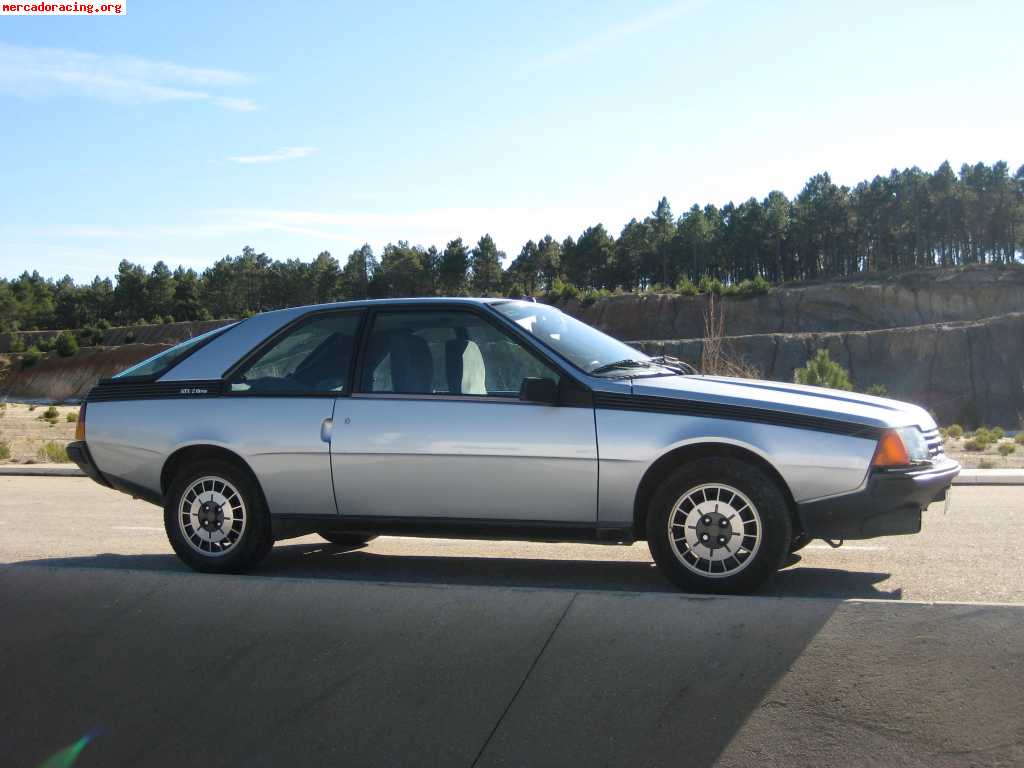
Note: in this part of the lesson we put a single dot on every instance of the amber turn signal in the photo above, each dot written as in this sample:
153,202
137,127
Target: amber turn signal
890,452
80,424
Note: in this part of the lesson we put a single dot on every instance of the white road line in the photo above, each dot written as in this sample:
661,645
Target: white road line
136,528
849,547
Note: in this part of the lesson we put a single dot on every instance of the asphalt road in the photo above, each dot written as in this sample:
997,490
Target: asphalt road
458,653
970,554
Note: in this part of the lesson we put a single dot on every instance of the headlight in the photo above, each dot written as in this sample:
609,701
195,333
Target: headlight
914,441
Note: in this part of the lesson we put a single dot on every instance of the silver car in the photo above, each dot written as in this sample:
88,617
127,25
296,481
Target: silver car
493,418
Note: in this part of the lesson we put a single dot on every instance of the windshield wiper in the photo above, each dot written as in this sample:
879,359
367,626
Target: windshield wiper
618,364
675,364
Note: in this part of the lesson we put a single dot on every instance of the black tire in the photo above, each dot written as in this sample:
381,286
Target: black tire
346,539
769,505
800,540
255,539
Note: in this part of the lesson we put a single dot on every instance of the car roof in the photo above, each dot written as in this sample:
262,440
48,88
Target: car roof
213,359
424,300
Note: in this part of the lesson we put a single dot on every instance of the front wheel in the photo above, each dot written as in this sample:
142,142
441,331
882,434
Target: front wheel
215,518
718,525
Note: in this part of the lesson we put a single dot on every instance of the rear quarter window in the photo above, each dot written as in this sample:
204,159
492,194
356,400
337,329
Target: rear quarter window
157,365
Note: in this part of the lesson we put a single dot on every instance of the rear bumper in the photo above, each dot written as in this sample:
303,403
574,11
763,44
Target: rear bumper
889,505
78,452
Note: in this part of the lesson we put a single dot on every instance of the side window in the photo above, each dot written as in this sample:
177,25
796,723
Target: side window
313,358
445,353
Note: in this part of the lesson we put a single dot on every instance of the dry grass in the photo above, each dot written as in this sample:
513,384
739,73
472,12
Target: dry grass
25,433
717,358
53,452
989,456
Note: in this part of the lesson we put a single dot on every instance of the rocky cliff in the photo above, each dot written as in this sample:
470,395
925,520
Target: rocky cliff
933,296
966,372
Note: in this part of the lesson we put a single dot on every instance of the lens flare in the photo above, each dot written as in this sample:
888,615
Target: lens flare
67,756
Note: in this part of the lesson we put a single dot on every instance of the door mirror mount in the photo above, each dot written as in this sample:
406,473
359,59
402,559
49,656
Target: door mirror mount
539,390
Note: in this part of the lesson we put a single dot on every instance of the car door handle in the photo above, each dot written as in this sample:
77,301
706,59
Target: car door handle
326,428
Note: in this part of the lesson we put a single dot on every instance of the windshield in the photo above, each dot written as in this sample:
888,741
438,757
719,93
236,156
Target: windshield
160,363
585,347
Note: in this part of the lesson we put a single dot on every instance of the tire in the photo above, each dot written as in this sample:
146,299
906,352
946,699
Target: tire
198,535
800,541
725,500
345,539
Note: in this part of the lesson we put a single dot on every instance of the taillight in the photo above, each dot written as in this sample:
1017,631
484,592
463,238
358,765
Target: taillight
891,452
80,424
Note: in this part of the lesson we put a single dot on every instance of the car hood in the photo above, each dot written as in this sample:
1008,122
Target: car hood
788,398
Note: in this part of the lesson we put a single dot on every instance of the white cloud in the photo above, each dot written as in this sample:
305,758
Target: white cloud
37,72
284,153
599,40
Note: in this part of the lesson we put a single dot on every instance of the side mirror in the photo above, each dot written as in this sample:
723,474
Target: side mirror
538,390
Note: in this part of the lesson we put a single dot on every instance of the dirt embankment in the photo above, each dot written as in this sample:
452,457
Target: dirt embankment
167,333
58,379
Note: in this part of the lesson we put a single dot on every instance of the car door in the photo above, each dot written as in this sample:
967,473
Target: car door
435,427
280,400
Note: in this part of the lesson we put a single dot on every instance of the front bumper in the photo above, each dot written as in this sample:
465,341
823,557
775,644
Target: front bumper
889,505
78,452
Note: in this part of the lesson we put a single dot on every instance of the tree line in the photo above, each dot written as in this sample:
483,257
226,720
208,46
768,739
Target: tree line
908,219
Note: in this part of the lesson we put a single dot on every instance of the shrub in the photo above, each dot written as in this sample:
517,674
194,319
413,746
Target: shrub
1019,438
32,406
561,290
955,431
5,451
168,319
1005,449
746,289
686,287
45,344
31,357
90,336
50,414
822,371
878,390
72,417
974,444
66,344
103,324
983,435
17,342
709,284
591,296
129,338
52,451
986,464
997,433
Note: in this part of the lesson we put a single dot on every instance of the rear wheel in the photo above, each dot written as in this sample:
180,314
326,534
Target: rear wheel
346,539
718,525
215,518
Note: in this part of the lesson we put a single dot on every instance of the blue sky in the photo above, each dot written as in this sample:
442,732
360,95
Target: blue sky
186,130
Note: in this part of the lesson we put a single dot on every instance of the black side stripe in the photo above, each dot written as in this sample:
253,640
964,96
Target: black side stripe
671,405
112,389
